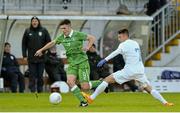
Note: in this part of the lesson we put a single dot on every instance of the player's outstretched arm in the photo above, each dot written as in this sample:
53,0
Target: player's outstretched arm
47,46
91,40
113,54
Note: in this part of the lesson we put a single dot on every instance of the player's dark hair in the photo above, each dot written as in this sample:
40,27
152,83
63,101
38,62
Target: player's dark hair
7,43
65,22
123,31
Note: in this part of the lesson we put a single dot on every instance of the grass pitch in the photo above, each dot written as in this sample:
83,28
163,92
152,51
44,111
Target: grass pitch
111,102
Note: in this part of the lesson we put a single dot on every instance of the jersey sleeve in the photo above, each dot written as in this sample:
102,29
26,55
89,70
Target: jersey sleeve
82,36
119,50
57,40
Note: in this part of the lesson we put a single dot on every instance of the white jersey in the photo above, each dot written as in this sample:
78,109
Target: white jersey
131,53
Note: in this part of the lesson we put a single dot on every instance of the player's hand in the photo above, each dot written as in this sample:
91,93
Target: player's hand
38,53
101,63
85,49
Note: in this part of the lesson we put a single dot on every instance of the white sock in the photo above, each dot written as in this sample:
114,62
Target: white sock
90,85
158,96
99,90
74,87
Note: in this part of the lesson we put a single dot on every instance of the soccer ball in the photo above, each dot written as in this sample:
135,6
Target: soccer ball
55,98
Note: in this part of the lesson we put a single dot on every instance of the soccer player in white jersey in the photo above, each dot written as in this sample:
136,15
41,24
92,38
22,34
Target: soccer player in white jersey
133,70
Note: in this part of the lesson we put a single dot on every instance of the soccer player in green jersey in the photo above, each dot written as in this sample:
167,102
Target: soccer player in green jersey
78,68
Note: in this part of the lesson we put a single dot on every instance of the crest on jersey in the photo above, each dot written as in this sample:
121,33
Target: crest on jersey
12,58
40,33
30,34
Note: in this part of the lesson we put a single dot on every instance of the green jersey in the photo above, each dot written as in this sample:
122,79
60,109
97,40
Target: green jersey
73,46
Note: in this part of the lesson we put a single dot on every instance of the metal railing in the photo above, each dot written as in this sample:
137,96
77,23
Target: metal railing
164,27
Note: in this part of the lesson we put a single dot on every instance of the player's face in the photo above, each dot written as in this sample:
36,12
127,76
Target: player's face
66,29
122,37
7,48
35,23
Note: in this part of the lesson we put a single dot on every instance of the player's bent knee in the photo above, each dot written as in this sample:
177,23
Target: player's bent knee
147,88
85,86
71,83
110,79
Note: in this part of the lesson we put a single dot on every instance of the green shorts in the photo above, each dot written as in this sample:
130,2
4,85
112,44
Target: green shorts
81,71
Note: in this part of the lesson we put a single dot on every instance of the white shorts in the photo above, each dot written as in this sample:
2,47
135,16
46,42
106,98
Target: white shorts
122,76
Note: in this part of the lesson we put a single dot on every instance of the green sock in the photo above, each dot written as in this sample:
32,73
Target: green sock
77,92
95,83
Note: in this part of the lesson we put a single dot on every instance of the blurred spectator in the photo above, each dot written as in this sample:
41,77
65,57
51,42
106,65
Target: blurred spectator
162,3
94,58
118,64
97,73
122,9
10,70
65,2
154,5
34,38
54,66
27,73
108,41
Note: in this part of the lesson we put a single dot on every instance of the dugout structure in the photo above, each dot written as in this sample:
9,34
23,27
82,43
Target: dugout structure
3,25
104,28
